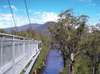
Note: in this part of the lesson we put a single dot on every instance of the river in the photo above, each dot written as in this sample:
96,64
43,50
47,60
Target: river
54,62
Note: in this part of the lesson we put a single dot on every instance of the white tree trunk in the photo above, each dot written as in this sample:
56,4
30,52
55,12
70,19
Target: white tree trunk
72,59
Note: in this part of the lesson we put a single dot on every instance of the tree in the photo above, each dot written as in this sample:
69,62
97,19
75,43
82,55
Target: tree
2,31
67,34
92,43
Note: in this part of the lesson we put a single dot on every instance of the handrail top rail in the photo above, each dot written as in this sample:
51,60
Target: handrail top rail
13,36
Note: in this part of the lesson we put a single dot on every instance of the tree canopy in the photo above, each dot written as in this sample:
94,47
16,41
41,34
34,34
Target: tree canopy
74,36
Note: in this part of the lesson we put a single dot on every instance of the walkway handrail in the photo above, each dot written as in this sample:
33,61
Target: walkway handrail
13,36
16,52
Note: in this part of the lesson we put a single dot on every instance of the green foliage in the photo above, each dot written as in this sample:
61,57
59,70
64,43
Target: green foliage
65,71
73,36
99,68
41,58
28,34
82,65
2,31
40,63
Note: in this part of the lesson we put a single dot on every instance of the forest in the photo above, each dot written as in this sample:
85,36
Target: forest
79,43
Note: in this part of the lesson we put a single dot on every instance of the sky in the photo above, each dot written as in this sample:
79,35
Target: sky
41,11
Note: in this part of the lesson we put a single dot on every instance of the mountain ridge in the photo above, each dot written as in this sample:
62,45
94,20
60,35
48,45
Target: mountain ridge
41,28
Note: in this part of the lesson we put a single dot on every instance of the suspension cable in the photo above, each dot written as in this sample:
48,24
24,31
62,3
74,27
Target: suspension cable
27,12
12,13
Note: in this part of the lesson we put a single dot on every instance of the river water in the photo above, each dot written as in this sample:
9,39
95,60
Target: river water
54,62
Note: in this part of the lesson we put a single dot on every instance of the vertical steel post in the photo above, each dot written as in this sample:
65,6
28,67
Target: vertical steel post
23,46
13,54
1,51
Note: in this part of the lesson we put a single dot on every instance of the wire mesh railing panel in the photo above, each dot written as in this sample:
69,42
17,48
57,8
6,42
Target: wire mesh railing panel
14,51
6,51
18,45
0,53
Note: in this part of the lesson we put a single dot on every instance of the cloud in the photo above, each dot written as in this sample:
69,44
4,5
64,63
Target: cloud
12,6
5,17
36,17
42,17
5,20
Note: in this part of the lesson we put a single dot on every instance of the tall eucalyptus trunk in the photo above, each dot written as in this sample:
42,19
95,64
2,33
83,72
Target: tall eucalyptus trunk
71,65
95,68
